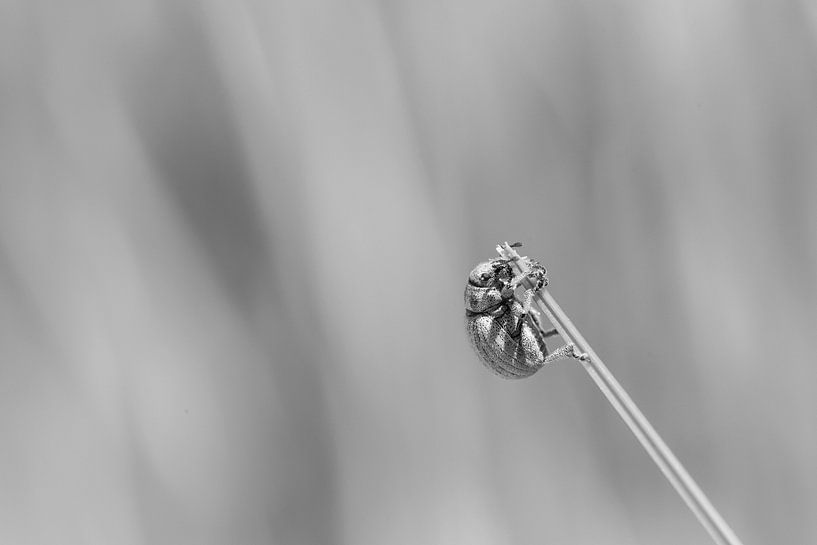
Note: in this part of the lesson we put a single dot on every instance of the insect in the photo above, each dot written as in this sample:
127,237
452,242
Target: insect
505,333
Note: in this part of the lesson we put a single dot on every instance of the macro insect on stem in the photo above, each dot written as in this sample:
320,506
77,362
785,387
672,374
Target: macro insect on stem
507,334
516,357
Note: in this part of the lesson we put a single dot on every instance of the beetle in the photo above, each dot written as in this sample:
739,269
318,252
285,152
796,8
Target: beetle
504,333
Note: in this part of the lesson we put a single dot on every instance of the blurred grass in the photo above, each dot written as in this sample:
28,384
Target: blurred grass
233,240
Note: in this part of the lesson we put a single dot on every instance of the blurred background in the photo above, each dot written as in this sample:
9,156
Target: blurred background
234,239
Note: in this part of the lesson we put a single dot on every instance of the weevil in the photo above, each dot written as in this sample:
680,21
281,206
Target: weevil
505,333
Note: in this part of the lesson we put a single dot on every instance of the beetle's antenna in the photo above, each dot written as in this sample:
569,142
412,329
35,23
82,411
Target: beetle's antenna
660,453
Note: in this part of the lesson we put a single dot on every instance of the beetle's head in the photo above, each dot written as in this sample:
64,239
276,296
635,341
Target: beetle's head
492,273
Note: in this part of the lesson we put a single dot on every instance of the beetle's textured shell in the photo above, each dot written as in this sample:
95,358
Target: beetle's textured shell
508,357
481,299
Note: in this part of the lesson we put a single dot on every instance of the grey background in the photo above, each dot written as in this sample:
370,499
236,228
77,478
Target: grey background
234,238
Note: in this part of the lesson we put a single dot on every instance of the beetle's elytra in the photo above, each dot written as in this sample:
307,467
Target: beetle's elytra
502,330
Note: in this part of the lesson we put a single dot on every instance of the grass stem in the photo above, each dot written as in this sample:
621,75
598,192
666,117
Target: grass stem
660,453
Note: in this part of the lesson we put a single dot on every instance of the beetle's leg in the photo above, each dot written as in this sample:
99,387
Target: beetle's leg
527,301
537,276
518,279
517,322
495,309
546,334
526,311
565,352
537,320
